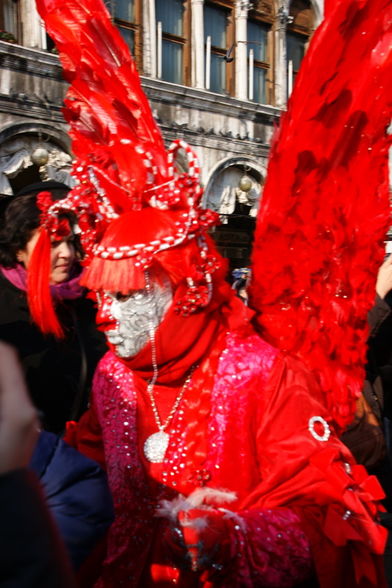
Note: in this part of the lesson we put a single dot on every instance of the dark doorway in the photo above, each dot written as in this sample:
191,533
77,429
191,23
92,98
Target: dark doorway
30,175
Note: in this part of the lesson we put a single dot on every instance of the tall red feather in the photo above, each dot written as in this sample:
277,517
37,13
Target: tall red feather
39,297
111,123
325,209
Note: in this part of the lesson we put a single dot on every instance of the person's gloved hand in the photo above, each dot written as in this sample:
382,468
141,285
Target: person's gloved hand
199,533
206,537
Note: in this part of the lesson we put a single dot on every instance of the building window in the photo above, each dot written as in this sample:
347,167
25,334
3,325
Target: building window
9,20
257,44
216,39
299,32
170,40
126,15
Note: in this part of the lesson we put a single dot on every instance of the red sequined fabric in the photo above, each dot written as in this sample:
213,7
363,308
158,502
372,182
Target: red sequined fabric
292,489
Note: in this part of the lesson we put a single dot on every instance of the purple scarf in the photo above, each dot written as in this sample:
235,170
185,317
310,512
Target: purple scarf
69,290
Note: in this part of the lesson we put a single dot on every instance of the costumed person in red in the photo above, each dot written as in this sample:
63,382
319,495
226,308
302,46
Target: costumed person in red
220,448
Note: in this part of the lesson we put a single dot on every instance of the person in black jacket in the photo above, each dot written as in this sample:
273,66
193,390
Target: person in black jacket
58,369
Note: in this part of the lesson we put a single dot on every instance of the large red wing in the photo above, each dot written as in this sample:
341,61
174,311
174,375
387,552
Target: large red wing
325,207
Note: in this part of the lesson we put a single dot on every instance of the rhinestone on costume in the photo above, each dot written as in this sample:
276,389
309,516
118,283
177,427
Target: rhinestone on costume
201,477
311,426
155,447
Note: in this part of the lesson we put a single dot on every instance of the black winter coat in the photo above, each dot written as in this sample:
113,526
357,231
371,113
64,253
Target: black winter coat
58,371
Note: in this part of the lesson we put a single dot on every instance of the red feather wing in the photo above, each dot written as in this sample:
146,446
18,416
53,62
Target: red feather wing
325,210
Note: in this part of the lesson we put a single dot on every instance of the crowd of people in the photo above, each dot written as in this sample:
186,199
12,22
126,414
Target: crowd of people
149,436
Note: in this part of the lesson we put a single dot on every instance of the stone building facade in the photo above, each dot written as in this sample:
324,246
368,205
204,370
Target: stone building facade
217,73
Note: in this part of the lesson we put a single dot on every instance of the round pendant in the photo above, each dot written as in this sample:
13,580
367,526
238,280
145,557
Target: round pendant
155,447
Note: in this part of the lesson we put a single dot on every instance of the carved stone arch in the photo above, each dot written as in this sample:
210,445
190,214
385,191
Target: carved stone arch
222,187
236,207
59,135
18,143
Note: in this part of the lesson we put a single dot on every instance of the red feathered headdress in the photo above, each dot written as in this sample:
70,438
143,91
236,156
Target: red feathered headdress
166,225
134,207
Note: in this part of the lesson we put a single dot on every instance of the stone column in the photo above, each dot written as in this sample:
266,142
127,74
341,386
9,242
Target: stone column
33,30
149,39
283,19
241,61
197,44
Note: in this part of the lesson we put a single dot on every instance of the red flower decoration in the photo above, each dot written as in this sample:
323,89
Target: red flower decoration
196,297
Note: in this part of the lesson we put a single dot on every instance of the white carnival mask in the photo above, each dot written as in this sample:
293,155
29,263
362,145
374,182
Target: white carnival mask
137,317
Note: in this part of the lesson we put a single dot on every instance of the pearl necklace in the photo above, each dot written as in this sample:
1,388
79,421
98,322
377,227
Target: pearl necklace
155,446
